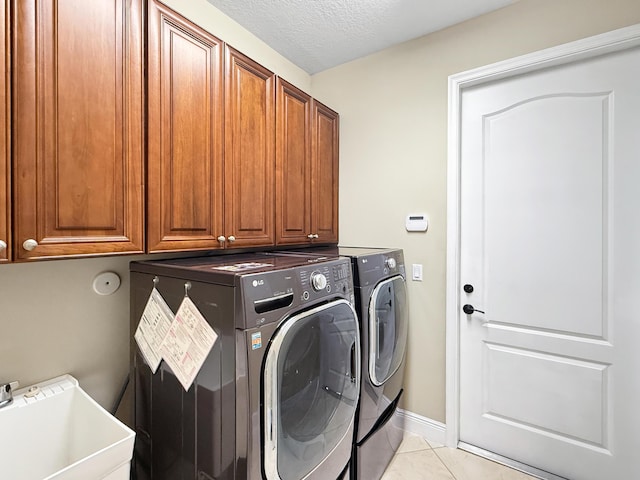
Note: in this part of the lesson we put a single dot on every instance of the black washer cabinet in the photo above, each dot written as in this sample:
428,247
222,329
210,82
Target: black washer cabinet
277,395
382,306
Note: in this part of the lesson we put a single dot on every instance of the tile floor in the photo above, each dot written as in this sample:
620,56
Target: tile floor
416,459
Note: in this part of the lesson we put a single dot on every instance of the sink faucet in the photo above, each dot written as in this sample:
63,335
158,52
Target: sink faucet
6,393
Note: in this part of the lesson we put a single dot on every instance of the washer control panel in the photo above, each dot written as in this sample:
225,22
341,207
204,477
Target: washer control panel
268,295
326,278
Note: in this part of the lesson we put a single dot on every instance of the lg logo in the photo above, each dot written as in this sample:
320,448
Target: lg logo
258,282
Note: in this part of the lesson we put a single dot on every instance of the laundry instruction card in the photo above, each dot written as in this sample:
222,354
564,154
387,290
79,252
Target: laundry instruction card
187,343
154,325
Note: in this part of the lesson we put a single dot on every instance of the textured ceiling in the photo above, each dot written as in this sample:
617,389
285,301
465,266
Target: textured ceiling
320,34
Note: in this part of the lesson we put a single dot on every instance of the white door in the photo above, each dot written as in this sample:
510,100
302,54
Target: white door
550,244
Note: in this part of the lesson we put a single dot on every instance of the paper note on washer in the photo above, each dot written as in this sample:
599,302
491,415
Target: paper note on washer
153,327
188,343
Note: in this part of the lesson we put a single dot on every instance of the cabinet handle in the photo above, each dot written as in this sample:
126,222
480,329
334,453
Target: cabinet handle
29,244
3,245
222,238
231,238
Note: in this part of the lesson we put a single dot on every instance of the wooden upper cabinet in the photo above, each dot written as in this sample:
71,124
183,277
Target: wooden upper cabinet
293,165
306,168
324,174
249,152
5,129
78,127
185,134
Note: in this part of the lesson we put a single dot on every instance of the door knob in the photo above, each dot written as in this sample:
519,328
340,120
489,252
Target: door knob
468,309
468,288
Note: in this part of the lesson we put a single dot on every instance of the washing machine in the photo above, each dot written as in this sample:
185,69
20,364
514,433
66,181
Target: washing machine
381,302
277,394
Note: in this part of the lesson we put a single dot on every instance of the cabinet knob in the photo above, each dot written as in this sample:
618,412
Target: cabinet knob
29,244
3,245
315,235
310,236
231,238
222,238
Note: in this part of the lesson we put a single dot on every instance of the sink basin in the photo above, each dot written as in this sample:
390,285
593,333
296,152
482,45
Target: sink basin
57,431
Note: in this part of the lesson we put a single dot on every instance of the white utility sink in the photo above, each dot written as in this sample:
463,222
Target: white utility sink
61,433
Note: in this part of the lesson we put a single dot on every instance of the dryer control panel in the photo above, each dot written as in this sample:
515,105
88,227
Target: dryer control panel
370,269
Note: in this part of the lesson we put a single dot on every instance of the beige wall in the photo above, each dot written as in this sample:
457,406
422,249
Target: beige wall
393,151
393,161
51,321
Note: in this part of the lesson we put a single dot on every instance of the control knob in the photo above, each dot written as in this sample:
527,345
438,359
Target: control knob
391,263
318,281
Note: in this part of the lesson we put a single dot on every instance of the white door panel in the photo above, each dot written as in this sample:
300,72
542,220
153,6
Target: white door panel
533,151
550,240
522,388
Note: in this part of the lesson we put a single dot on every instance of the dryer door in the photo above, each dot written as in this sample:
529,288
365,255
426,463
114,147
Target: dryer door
388,321
311,387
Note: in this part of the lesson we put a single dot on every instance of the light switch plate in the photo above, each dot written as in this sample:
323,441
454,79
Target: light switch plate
417,272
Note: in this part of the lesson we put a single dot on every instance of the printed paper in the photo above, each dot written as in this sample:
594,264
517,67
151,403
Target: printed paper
187,343
238,267
152,329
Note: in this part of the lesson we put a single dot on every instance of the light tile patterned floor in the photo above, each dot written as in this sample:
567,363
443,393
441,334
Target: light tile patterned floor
417,459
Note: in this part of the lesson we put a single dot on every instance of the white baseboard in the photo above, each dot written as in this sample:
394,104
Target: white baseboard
433,431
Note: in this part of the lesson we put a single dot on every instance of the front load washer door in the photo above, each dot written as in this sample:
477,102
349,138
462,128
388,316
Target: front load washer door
388,321
311,385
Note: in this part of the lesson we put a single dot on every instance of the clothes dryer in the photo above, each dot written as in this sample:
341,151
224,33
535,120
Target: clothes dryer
277,395
382,305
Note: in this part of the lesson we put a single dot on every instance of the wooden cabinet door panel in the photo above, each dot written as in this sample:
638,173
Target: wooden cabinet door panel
324,177
185,105
293,164
249,152
78,114
5,129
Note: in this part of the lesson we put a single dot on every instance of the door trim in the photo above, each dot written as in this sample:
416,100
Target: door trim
613,41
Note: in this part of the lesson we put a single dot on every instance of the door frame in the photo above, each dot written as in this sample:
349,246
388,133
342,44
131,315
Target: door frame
613,41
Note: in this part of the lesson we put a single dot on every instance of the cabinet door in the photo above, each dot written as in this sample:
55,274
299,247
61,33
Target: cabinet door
293,164
185,164
5,128
78,116
249,152
324,174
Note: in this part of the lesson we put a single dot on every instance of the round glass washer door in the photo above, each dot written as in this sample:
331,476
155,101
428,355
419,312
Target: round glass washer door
388,321
311,388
